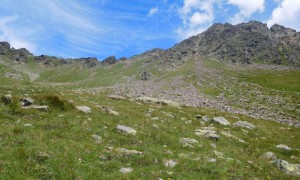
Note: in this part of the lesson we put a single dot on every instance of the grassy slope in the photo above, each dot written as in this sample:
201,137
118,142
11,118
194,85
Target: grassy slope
66,135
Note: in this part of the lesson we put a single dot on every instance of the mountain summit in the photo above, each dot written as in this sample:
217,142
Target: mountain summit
243,43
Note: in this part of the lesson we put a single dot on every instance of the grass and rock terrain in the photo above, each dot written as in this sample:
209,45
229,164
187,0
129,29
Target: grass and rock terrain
146,118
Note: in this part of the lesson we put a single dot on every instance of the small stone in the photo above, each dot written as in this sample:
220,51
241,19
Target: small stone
211,160
42,156
270,155
84,109
170,163
126,170
127,152
188,142
198,116
244,124
96,137
218,154
126,130
205,119
283,147
188,122
220,120
227,134
213,145
116,97
28,125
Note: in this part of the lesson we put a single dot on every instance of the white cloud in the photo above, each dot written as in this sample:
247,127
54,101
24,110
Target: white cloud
153,11
287,13
246,8
196,16
9,34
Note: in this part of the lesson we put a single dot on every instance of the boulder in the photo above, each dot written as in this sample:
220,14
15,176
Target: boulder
208,132
126,170
116,97
26,101
244,124
270,155
170,163
84,109
126,152
188,142
286,167
126,130
97,138
283,147
220,120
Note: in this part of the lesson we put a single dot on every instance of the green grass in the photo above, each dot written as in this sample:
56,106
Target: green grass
280,80
59,145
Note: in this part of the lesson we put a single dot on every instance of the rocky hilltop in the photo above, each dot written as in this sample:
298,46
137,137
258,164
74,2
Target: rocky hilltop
241,43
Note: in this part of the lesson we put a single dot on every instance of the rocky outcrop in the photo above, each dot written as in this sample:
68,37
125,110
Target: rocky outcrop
50,61
110,60
88,62
21,55
4,48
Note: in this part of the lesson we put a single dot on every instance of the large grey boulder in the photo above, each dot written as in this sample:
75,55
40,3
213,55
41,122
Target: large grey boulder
283,147
286,167
188,142
126,130
208,132
220,120
244,124
84,109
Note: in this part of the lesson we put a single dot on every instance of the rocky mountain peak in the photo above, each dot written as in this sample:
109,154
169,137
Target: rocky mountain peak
242,43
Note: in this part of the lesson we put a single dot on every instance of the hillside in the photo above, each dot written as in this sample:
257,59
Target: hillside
223,104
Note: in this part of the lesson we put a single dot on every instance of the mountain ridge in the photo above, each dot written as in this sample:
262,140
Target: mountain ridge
242,43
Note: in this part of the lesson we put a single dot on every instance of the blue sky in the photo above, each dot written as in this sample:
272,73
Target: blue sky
100,28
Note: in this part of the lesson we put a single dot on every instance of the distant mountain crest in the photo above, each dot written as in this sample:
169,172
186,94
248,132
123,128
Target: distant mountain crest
241,43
